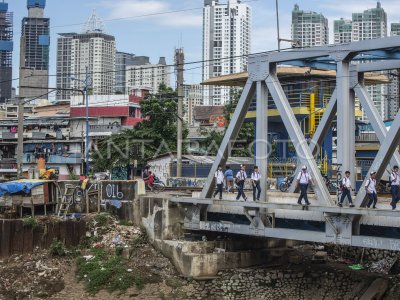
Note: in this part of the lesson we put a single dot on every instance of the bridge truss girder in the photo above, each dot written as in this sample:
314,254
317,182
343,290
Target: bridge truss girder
262,71
342,226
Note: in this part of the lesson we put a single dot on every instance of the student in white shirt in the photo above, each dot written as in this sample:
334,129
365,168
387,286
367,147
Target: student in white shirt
395,186
346,189
303,179
241,177
255,182
219,178
370,187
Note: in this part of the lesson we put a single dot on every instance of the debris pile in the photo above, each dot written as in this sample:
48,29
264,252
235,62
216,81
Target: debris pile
105,231
38,275
382,266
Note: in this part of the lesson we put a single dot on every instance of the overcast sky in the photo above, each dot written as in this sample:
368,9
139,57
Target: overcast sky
159,35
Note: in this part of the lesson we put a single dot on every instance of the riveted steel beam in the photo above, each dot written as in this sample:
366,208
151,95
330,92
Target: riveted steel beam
230,135
296,135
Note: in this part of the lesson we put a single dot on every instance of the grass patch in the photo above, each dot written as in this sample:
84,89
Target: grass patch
57,248
30,222
125,223
105,271
102,219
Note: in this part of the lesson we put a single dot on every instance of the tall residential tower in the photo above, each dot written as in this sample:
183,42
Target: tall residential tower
6,48
34,51
226,44
92,49
393,103
309,28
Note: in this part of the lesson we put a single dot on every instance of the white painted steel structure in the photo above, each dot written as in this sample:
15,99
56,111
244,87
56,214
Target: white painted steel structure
342,225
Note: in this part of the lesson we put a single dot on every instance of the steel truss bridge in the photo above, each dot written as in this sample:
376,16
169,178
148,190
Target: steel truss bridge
276,216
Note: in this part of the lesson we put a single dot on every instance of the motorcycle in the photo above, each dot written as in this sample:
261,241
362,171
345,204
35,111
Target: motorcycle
285,184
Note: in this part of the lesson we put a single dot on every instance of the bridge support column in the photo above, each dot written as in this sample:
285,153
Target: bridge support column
261,144
345,118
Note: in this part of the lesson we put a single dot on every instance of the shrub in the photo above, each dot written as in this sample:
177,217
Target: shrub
30,222
57,248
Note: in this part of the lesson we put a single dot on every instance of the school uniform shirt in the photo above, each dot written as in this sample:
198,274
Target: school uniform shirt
346,182
241,175
371,185
256,176
229,174
394,178
304,177
219,176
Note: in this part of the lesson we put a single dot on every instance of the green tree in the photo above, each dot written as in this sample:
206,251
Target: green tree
245,137
156,134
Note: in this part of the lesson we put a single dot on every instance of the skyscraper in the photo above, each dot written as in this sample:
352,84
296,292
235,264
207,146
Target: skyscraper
226,44
343,31
122,61
34,51
393,103
64,58
309,28
6,48
93,49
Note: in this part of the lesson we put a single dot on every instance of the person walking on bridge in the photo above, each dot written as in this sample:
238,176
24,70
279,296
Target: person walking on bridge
229,179
219,178
303,179
395,186
255,182
370,187
241,177
346,189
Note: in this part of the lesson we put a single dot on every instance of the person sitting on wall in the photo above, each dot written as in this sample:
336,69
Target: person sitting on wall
150,181
146,174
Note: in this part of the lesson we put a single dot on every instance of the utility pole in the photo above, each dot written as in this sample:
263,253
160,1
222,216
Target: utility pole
87,123
277,25
179,60
20,133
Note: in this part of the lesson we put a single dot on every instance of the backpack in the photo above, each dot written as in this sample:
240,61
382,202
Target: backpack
342,186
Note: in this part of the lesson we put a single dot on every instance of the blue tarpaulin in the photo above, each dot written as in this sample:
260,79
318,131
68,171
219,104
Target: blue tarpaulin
14,187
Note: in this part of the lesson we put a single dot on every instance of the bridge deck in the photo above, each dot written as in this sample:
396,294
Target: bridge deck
277,205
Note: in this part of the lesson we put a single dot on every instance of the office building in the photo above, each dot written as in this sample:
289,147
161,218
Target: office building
226,42
122,61
144,75
34,52
6,48
309,28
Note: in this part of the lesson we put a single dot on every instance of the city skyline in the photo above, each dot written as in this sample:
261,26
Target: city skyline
177,29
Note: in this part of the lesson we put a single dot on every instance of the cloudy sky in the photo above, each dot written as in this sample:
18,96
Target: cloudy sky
147,27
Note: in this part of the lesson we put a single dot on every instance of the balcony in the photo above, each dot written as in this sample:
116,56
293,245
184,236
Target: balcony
367,138
105,128
8,136
8,165
65,159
